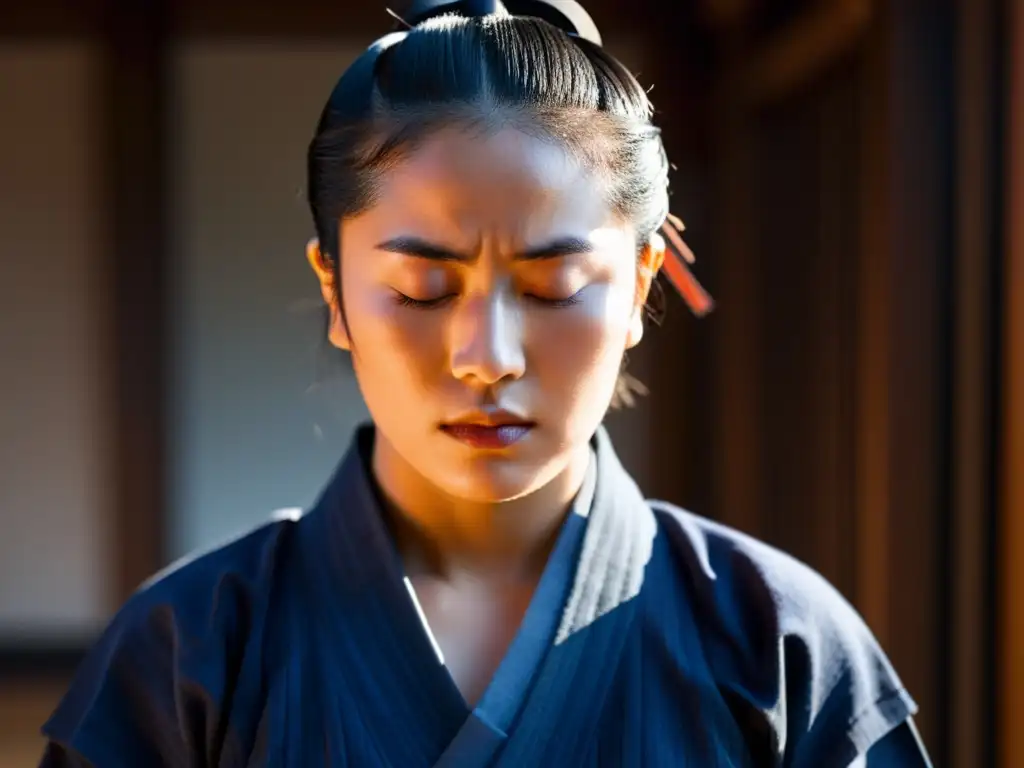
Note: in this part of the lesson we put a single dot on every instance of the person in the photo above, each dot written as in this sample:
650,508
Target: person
481,583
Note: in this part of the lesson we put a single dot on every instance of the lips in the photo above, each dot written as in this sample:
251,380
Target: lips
489,431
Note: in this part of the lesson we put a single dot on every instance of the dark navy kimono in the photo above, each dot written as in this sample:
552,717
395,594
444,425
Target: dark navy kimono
654,638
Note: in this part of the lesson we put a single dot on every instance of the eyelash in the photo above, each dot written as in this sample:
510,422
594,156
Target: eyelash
559,303
408,301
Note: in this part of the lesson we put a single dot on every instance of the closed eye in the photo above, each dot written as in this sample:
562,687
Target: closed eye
409,301
557,303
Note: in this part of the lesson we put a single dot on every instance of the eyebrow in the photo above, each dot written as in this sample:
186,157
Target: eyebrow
422,249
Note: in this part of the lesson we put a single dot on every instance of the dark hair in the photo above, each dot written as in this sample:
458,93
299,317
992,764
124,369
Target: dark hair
482,73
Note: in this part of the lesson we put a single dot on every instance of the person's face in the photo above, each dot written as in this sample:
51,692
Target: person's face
489,295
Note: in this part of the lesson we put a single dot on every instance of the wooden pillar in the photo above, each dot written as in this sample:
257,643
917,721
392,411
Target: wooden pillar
678,350
736,407
136,91
1010,662
872,403
915,204
974,384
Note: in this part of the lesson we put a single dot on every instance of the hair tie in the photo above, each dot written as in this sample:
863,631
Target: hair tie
678,257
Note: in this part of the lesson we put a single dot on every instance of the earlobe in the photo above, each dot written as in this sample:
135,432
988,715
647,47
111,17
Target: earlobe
337,333
322,268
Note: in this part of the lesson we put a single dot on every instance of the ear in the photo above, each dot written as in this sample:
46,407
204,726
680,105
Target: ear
652,256
323,268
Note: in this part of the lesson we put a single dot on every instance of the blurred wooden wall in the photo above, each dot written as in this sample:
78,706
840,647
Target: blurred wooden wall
846,400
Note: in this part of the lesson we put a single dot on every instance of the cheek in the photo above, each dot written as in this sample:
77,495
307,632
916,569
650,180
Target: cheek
584,343
393,347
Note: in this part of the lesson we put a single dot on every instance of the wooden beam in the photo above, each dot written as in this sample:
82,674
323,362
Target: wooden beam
51,19
311,20
273,20
305,20
801,51
722,15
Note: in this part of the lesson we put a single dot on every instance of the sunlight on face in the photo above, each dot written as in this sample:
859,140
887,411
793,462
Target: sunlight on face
490,283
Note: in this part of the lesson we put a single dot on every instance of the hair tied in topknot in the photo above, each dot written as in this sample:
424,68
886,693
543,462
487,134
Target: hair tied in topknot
353,92
440,68
567,15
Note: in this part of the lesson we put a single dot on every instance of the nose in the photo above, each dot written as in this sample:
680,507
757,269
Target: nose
486,340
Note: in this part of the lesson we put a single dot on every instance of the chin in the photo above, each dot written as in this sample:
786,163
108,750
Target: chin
492,480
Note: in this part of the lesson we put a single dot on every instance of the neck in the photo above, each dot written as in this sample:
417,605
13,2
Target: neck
440,534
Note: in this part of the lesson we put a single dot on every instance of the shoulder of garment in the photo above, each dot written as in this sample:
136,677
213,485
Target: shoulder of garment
805,677
154,689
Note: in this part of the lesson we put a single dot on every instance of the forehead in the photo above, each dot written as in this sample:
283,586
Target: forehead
505,180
